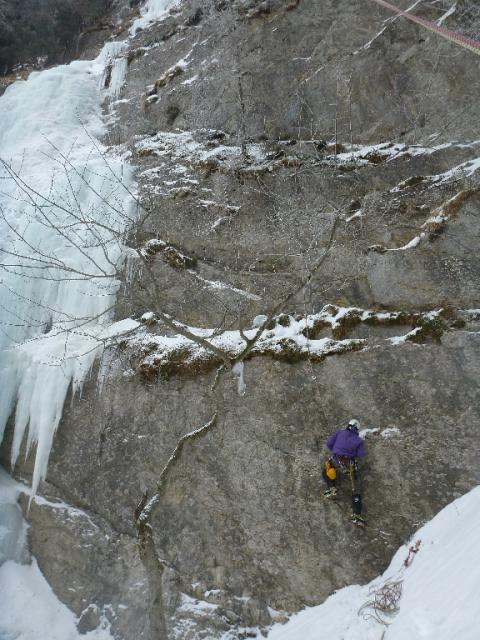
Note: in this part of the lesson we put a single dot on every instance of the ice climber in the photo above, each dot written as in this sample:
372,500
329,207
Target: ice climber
346,446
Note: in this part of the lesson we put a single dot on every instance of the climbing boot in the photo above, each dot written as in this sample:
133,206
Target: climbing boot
331,492
358,520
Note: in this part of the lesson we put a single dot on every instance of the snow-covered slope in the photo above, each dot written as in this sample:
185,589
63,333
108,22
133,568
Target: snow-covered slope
23,589
440,590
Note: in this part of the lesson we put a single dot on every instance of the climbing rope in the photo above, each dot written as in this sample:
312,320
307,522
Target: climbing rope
452,36
385,598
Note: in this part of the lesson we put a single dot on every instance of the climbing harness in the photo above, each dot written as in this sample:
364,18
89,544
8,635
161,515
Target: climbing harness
467,43
351,474
345,466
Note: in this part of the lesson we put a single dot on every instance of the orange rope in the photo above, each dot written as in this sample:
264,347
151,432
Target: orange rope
452,36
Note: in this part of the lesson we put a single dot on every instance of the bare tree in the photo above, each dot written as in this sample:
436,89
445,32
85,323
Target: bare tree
99,237
93,253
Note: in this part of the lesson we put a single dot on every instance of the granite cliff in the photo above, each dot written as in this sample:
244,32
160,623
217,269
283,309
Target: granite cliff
310,169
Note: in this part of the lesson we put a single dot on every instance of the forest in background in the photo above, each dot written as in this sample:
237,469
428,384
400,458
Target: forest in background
32,29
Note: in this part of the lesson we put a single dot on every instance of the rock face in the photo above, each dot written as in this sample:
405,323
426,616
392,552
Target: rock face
286,151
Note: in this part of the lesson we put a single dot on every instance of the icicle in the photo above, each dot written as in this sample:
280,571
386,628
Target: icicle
238,371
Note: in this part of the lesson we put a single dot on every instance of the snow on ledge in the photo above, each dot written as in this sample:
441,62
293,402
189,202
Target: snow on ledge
385,151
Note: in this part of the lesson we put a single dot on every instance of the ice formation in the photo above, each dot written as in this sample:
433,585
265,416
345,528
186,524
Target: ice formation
152,11
64,210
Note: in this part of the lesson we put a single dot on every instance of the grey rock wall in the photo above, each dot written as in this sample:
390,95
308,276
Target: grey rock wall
229,110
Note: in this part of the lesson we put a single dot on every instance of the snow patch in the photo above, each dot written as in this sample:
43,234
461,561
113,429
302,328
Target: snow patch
390,431
259,321
24,589
464,170
182,146
152,11
217,284
397,340
385,151
190,80
447,14
357,214
369,431
196,606
29,610
414,242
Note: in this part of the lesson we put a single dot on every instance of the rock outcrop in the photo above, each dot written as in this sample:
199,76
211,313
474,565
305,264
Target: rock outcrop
317,160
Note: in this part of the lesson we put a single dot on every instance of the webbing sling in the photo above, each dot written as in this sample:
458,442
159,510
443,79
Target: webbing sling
452,36
351,475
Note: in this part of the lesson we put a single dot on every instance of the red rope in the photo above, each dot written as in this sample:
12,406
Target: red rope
457,38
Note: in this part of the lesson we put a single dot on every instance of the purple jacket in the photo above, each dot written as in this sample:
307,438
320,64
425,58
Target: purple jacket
346,443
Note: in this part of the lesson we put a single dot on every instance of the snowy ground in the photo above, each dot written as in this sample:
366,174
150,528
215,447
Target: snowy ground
29,610
23,589
440,589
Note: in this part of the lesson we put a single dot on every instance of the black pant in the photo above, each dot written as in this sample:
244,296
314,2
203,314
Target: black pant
346,466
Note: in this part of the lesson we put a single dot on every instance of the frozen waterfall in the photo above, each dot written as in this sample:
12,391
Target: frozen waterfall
65,207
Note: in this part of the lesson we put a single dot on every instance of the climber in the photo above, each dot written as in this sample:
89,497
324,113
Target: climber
346,447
